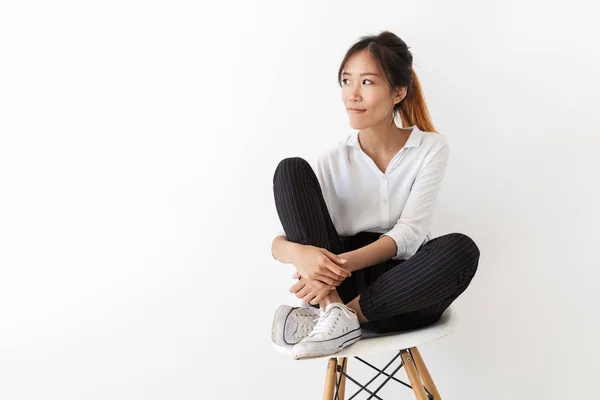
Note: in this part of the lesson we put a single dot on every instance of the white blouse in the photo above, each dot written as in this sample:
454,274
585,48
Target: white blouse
398,203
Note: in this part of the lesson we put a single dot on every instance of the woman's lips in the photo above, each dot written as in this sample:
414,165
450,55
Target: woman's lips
355,111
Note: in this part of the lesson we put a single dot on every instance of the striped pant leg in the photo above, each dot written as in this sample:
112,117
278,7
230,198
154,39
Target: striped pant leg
304,215
416,292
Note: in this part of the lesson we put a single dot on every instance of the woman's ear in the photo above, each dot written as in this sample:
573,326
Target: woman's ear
399,94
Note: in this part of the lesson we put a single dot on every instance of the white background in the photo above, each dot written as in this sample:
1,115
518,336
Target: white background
138,142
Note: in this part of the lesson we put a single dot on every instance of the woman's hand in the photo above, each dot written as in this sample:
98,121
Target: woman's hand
310,290
318,264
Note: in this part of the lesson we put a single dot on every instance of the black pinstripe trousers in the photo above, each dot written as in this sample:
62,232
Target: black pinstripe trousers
395,295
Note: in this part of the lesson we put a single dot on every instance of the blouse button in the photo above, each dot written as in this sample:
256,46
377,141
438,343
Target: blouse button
385,200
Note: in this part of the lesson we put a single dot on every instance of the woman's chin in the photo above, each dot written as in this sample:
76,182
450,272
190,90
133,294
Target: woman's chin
356,125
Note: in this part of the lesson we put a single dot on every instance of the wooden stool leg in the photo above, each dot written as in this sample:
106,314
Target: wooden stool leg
330,379
343,361
413,376
424,373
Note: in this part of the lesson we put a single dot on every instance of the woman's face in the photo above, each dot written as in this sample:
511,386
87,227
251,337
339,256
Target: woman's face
364,87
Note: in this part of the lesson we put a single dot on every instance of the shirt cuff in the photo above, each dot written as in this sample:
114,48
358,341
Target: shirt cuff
400,244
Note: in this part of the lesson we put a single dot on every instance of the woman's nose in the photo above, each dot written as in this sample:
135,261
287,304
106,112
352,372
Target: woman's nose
354,93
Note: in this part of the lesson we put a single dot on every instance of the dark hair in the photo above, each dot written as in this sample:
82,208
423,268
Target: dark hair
394,60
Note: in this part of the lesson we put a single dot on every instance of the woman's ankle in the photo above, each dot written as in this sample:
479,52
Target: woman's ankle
333,297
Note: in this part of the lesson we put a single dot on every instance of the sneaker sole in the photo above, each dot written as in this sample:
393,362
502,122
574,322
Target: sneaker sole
340,348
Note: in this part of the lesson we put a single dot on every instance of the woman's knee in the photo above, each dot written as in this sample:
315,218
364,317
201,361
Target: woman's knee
468,252
462,248
292,169
466,244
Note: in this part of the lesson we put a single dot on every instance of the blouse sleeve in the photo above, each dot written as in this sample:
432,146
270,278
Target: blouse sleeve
414,222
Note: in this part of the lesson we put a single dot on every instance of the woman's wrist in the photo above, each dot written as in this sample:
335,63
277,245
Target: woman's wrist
350,264
284,250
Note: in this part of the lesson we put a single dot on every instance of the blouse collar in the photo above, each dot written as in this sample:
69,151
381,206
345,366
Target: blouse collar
414,140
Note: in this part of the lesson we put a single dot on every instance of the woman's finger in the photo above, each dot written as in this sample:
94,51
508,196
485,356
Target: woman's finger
335,257
302,292
297,286
328,280
327,276
318,284
309,297
318,299
337,270
322,284
294,288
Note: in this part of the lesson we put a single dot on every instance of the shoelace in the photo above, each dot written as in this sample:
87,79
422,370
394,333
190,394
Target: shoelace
327,323
305,323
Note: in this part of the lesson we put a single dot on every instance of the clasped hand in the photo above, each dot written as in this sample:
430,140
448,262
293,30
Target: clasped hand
318,273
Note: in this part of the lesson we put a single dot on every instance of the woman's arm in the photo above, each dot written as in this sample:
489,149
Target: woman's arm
416,217
380,250
283,250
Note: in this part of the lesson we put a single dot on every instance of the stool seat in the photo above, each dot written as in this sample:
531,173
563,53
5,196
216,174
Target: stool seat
403,344
372,343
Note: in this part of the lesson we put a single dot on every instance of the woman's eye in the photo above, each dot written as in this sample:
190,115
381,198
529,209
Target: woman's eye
363,80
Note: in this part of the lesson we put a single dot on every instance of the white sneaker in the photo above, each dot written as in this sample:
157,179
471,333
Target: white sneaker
292,324
337,328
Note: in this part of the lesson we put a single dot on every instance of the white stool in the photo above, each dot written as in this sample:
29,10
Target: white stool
404,344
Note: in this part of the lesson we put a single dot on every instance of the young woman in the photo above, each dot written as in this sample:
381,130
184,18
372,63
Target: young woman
356,227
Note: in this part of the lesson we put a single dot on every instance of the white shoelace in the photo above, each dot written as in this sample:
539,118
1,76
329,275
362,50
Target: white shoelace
326,322
305,323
